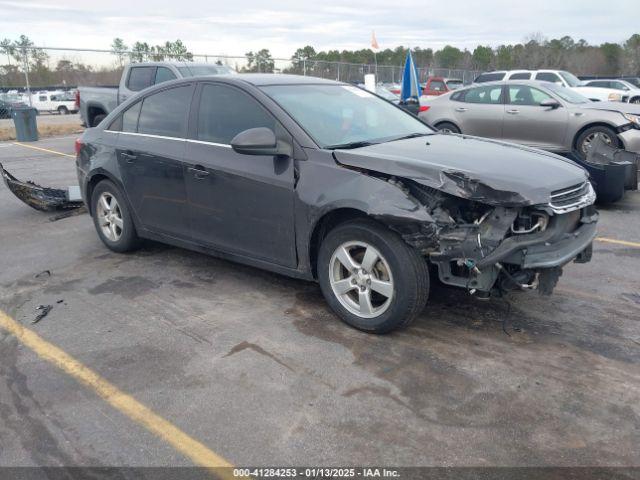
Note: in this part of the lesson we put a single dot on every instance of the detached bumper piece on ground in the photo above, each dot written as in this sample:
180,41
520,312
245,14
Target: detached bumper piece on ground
43,198
612,170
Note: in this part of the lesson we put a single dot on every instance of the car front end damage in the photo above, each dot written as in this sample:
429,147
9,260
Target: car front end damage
499,248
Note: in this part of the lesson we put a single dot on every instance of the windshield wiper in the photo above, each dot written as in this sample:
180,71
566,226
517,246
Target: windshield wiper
349,145
411,135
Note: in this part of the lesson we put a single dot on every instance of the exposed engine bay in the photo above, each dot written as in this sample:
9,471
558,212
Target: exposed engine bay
494,249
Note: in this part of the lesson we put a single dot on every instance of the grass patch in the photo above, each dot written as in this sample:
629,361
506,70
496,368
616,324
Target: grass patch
53,130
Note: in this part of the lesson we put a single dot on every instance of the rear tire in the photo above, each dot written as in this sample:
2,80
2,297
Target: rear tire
62,110
583,142
97,119
447,127
387,283
112,218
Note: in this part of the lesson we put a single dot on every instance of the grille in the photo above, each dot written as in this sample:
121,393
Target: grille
572,198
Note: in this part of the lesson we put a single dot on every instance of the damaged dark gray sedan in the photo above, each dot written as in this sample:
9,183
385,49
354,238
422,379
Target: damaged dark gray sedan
323,181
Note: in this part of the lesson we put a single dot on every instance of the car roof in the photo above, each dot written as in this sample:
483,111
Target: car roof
263,79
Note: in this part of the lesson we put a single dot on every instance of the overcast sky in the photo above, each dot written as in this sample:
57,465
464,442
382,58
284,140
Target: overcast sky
235,27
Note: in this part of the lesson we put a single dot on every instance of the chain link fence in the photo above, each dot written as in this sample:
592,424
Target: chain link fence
40,68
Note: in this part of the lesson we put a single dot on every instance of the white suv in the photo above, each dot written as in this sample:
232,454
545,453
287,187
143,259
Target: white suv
560,77
627,90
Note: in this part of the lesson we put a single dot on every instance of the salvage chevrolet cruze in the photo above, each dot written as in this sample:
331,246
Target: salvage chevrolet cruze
321,180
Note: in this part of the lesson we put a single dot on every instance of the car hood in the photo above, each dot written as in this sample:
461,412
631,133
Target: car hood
633,108
479,169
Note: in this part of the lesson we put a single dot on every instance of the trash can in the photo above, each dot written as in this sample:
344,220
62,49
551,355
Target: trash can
24,118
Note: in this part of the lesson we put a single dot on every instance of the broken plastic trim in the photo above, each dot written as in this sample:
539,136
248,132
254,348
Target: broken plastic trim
41,198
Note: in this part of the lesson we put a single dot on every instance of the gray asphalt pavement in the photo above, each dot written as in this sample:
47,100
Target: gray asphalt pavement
256,367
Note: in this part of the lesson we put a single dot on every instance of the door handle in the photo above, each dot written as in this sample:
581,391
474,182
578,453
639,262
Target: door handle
128,156
513,112
199,172
461,109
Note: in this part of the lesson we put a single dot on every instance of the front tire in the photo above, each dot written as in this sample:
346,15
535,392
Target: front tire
97,119
583,142
371,278
112,218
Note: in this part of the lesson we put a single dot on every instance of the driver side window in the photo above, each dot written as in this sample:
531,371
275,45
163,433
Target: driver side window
524,95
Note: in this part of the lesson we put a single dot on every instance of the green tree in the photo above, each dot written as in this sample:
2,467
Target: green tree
482,57
613,55
119,48
449,57
261,61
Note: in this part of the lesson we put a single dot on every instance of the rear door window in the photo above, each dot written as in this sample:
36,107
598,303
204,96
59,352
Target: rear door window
520,76
524,95
489,77
165,113
226,111
163,74
140,78
548,77
488,95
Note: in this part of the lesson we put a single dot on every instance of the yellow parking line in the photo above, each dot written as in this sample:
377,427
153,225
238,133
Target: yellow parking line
196,451
44,149
618,242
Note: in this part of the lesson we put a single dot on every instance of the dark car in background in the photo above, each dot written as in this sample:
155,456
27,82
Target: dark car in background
324,181
8,103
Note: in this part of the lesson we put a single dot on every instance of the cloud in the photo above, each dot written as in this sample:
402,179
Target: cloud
282,26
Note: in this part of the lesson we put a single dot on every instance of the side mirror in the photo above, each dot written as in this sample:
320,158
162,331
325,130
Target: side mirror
550,103
259,141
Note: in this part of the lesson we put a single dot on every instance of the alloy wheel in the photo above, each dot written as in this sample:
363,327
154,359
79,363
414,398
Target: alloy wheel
361,279
110,216
588,141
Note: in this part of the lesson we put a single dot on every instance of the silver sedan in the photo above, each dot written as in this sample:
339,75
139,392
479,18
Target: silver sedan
538,114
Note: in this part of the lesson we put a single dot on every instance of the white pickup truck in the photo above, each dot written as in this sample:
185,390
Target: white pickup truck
95,103
54,102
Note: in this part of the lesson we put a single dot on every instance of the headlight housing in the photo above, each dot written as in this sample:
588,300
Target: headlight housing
635,119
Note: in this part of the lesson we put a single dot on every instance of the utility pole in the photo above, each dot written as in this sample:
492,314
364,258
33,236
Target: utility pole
26,75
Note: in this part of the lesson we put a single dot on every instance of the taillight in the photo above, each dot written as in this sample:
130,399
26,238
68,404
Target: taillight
423,108
77,98
78,145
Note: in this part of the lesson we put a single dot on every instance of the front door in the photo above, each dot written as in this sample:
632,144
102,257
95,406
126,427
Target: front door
241,204
527,122
150,158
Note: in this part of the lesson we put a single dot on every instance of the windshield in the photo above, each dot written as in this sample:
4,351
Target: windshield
571,79
342,114
567,94
386,94
454,84
197,70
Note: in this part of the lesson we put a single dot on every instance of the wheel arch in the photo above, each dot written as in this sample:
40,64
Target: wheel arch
440,122
574,141
93,180
93,110
324,225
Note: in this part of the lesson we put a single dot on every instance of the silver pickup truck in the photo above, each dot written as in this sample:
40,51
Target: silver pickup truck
97,102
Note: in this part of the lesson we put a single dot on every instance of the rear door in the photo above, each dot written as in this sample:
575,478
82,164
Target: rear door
241,204
527,122
150,153
480,111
